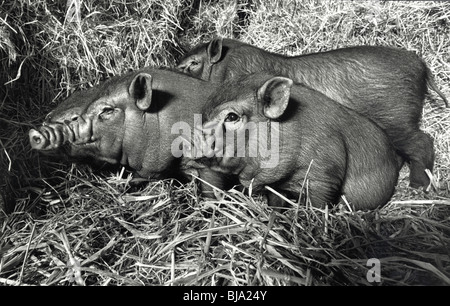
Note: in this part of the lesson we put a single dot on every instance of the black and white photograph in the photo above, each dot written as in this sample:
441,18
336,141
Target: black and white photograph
236,144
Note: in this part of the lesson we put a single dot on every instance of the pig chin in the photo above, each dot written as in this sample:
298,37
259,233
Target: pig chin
134,160
91,150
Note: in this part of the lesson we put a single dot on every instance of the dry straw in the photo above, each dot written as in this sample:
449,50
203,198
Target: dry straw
70,224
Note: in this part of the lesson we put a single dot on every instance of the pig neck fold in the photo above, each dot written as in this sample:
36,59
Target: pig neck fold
136,144
138,151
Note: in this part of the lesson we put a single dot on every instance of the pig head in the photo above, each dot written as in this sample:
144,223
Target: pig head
127,120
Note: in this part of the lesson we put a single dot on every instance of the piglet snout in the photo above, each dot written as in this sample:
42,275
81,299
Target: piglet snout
37,140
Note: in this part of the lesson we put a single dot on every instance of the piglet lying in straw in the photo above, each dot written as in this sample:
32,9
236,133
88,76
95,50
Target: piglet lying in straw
269,131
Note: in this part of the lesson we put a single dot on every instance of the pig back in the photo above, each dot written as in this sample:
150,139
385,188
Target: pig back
379,82
361,77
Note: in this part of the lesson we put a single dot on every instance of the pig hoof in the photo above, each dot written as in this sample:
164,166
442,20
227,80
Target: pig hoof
425,182
421,186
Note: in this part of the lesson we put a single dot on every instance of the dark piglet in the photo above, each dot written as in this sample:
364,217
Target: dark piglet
387,85
338,151
126,120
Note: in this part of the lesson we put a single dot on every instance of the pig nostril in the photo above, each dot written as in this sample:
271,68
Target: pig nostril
37,139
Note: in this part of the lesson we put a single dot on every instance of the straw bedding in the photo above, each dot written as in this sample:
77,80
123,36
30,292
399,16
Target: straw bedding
73,224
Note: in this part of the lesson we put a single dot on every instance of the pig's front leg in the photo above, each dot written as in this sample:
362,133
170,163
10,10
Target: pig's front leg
323,193
319,192
220,180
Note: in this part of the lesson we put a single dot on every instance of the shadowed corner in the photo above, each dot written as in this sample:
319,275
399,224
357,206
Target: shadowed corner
7,199
3,209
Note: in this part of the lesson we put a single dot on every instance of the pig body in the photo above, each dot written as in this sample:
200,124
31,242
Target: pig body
384,84
336,150
127,120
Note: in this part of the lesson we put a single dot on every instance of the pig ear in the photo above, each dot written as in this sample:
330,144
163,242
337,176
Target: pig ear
141,90
214,50
274,95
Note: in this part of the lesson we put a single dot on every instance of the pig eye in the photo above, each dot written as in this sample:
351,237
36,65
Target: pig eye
106,113
193,66
232,117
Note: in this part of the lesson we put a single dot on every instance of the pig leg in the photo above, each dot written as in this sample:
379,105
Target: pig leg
320,193
323,193
421,156
413,145
220,180
274,200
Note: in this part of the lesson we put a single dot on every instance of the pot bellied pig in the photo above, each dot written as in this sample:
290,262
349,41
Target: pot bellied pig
128,119
387,85
336,150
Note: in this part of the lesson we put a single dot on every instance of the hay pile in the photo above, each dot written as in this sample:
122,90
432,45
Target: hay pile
71,224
